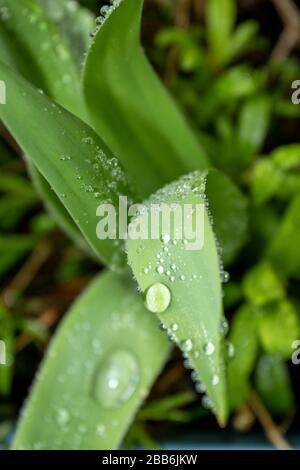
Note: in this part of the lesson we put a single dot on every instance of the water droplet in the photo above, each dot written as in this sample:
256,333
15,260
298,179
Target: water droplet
182,277
230,349
206,403
158,298
225,276
160,269
224,327
116,380
187,345
209,348
62,417
215,380
166,238
174,327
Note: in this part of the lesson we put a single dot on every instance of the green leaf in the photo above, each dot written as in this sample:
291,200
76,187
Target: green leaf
220,21
266,180
287,157
242,40
52,69
130,108
74,22
253,126
243,337
183,286
274,385
41,42
229,210
99,368
75,161
278,328
262,285
284,250
6,335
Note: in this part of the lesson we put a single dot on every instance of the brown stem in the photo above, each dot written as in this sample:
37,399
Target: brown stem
290,36
271,430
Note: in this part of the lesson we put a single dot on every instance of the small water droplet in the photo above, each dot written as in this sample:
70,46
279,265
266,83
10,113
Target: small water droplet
116,379
209,348
230,350
215,380
160,269
62,417
174,327
158,298
187,345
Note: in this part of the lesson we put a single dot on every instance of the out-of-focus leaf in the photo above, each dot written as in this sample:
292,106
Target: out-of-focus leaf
109,350
287,157
229,210
278,328
243,337
253,126
220,20
243,37
130,108
262,285
74,22
284,249
233,294
12,249
183,286
266,179
75,161
274,385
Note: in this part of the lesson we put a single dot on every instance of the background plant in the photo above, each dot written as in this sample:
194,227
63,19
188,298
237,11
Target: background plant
238,102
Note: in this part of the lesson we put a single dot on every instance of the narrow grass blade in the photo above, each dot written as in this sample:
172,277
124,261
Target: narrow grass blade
98,370
184,286
75,161
130,108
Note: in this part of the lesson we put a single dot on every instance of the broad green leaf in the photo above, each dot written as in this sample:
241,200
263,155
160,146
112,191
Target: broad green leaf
220,21
262,285
47,63
74,22
284,249
278,328
243,337
56,208
253,126
181,285
229,210
274,385
75,161
99,368
39,39
130,108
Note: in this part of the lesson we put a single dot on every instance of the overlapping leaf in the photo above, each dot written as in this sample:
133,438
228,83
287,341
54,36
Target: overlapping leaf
99,368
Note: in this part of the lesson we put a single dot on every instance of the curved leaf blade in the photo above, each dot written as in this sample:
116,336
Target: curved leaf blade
133,112
107,335
68,153
194,315
74,23
22,54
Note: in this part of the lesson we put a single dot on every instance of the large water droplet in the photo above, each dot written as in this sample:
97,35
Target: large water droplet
116,379
158,298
